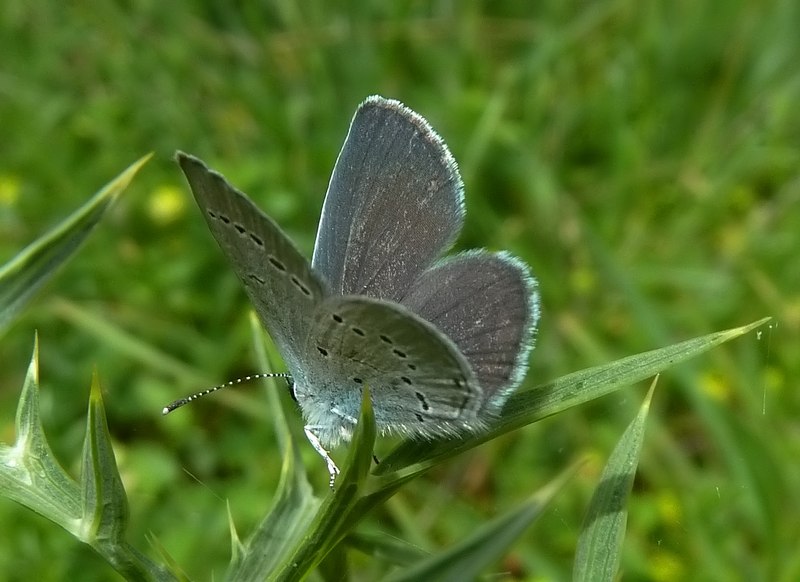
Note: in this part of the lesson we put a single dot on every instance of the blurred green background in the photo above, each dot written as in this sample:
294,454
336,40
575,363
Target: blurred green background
643,158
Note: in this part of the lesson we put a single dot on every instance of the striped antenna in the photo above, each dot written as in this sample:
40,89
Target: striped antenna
181,401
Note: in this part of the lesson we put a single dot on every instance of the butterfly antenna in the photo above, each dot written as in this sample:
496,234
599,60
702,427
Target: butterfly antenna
181,401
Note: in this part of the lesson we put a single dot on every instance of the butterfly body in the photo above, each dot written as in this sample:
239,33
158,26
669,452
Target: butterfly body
441,343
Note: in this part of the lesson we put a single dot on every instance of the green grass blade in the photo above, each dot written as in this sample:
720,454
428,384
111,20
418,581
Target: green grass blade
603,532
295,505
340,511
469,558
571,390
127,344
386,549
36,264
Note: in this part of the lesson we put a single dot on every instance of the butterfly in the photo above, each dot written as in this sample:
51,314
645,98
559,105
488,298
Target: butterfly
440,341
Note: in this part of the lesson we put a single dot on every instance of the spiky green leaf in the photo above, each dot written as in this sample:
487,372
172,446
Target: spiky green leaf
29,473
104,502
294,506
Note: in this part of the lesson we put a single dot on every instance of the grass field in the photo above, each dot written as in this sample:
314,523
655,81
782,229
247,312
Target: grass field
643,158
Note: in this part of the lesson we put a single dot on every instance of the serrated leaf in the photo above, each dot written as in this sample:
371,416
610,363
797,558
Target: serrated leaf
37,263
600,544
548,399
31,476
29,473
104,502
472,556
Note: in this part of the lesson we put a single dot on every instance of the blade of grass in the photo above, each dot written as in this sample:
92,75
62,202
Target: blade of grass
126,343
26,273
340,512
603,532
380,546
470,557
571,390
295,505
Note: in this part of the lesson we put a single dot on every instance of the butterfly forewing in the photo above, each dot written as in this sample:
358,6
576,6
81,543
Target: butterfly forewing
419,382
487,305
394,203
277,278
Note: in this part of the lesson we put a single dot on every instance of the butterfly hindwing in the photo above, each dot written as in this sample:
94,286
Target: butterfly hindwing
419,382
487,304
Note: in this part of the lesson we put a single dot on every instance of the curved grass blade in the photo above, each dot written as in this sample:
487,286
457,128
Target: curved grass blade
37,263
548,399
472,556
386,549
295,505
603,532
125,342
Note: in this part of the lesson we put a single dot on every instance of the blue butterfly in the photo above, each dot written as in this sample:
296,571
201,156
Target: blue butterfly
441,342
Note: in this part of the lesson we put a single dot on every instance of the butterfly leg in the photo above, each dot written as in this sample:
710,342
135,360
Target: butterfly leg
333,470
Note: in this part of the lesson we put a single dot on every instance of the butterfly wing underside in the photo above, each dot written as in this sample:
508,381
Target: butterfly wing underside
419,382
277,278
394,203
487,303
440,345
